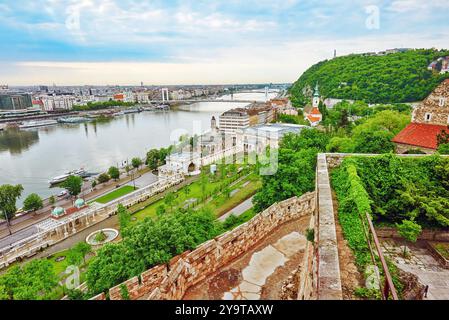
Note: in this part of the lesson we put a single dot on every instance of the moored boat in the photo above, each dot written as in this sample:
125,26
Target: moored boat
34,124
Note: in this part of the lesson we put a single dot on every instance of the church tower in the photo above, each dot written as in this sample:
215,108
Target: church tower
213,124
316,97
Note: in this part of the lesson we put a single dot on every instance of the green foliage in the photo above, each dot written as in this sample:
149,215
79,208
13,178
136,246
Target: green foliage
104,177
407,188
399,77
114,173
136,162
353,202
73,185
52,200
33,202
8,198
35,280
76,294
286,118
444,148
102,105
100,237
77,254
409,230
149,243
156,157
310,235
340,145
296,165
124,218
124,292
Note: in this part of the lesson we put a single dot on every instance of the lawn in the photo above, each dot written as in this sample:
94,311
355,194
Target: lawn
193,191
120,192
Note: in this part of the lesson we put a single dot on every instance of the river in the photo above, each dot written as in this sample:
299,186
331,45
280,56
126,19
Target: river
32,157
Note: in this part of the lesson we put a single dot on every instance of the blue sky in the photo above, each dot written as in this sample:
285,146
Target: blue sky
197,41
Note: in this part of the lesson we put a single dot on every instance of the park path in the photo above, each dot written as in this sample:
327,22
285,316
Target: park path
238,210
25,226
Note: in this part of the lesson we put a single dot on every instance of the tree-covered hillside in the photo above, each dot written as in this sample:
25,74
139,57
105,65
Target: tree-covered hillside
398,77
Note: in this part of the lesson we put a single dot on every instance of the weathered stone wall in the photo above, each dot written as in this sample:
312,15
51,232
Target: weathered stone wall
329,279
437,104
403,148
171,281
426,234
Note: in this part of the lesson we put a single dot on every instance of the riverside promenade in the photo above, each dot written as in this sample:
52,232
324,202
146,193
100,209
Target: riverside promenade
22,226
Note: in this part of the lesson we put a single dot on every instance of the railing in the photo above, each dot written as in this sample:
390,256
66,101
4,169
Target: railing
387,289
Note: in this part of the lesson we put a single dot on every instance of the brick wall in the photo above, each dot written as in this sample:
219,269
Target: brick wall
172,280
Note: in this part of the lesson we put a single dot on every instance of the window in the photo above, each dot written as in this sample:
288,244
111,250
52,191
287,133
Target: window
428,116
442,102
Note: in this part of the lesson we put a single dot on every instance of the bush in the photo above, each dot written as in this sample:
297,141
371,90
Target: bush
149,243
103,178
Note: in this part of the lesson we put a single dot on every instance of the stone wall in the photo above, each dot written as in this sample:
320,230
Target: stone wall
329,279
171,281
426,234
437,104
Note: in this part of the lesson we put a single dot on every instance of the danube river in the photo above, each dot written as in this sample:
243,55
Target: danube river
32,157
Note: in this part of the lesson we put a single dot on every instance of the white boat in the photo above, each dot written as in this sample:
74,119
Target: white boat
59,179
34,124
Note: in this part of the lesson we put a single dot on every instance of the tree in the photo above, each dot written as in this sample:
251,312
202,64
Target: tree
444,148
409,230
160,210
33,202
103,178
136,162
114,173
35,280
186,190
52,200
153,159
73,185
443,137
81,249
169,199
74,257
124,218
8,198
203,183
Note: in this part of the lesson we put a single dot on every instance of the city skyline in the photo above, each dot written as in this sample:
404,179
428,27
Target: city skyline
198,42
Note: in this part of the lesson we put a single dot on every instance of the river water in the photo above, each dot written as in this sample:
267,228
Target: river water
32,157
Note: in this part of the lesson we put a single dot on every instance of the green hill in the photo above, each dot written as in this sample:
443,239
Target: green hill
398,77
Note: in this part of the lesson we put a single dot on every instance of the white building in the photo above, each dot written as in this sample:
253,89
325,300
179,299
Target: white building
233,120
184,162
51,103
257,138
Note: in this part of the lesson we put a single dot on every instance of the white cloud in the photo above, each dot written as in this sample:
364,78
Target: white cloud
281,62
402,6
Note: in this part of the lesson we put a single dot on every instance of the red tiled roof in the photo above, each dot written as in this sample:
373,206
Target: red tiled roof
315,111
420,135
313,118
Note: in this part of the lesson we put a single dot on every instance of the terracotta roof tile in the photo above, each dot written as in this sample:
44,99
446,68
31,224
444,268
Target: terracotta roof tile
420,135
315,111
313,118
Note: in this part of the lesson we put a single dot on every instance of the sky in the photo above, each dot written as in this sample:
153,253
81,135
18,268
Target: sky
126,42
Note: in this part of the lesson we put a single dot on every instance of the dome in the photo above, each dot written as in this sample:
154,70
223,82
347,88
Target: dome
58,211
79,203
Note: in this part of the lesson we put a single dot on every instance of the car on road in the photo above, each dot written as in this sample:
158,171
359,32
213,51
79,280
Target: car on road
63,193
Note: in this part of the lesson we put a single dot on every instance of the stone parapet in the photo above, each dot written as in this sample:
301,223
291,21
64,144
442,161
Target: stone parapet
329,281
171,281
